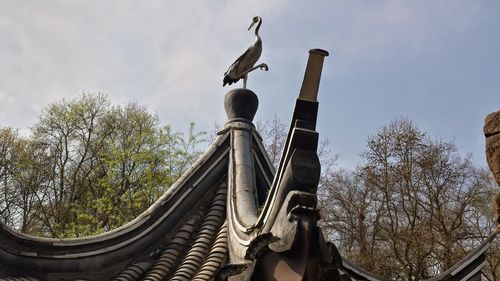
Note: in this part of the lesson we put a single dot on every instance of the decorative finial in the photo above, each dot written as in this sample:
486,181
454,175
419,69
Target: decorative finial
241,104
312,76
245,63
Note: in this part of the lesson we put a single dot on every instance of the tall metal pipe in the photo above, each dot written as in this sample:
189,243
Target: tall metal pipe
312,76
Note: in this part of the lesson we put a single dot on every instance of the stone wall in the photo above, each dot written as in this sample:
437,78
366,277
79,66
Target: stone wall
492,134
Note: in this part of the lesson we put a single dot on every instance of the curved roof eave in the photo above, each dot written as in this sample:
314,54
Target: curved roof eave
208,169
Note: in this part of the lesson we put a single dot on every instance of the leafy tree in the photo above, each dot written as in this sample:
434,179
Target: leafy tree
10,146
89,167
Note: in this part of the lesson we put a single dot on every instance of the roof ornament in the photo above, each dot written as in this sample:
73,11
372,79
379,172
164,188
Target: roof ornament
312,76
245,63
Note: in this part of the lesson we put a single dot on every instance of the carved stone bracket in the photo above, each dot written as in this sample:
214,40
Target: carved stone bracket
492,134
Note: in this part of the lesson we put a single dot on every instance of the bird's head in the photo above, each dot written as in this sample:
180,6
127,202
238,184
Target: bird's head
254,21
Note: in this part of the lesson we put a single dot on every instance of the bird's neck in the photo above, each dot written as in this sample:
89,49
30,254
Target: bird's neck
257,30
257,39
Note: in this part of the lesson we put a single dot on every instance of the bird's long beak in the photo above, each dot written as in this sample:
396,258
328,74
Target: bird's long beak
251,25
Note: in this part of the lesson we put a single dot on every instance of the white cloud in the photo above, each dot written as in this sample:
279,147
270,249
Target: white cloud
168,55
171,55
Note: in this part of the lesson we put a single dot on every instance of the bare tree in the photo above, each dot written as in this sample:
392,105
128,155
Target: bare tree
273,134
406,212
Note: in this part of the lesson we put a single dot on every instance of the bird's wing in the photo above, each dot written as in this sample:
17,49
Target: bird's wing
235,70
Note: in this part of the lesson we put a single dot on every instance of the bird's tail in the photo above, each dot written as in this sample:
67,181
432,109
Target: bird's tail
228,80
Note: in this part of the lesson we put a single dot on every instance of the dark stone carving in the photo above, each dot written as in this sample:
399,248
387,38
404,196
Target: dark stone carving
285,242
241,104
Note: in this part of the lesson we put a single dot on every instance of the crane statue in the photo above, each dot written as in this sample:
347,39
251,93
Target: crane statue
245,63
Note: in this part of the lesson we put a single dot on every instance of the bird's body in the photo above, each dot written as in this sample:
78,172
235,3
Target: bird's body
245,63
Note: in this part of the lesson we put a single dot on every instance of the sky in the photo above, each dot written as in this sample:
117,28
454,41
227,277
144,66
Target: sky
436,63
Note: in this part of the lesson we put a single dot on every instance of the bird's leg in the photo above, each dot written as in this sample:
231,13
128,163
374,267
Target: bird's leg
245,77
262,67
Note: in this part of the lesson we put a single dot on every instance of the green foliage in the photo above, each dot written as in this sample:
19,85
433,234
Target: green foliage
89,167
